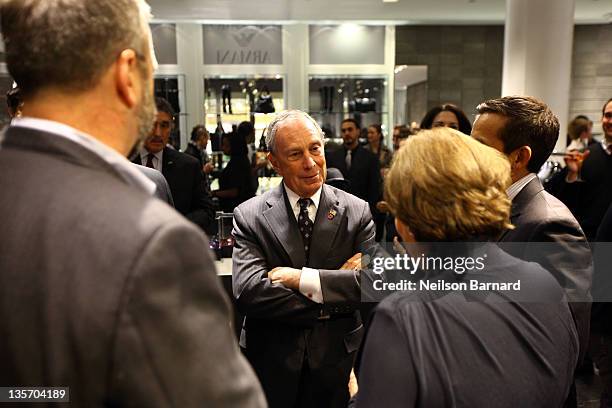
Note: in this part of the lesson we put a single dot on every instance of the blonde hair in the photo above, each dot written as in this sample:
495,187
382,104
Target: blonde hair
446,186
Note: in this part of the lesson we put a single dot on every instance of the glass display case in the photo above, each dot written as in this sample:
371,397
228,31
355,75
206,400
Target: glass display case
335,98
230,100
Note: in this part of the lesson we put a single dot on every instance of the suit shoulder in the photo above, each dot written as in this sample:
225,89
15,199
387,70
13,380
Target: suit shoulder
346,198
181,157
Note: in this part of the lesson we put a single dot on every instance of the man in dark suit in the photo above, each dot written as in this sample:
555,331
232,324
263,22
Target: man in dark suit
295,276
183,172
359,166
526,130
104,289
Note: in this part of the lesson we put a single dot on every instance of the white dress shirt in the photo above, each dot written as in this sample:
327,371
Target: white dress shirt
122,165
157,158
310,280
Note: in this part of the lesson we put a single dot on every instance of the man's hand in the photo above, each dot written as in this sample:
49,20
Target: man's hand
354,263
573,161
288,277
208,168
352,385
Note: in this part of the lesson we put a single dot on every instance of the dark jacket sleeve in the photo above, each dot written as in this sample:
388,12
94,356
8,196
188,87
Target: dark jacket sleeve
202,210
173,345
387,376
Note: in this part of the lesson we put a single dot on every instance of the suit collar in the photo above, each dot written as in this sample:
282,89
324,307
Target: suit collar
523,198
78,148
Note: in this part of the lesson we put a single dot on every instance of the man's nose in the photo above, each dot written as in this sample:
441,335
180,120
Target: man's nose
309,162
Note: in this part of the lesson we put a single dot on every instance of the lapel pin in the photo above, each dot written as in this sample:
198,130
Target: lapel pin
331,214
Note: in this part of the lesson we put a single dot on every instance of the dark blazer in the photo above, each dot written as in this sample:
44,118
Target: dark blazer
107,290
162,189
455,349
184,175
194,152
540,217
364,175
282,332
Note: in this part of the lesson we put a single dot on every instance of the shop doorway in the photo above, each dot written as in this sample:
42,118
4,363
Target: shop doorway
410,94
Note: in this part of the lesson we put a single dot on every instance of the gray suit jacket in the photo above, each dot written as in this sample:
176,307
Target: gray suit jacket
162,189
282,329
539,217
107,290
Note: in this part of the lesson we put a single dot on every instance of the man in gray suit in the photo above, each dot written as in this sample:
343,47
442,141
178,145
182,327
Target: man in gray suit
546,232
103,289
295,272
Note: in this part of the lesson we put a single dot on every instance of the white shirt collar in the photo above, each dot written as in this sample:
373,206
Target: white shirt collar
293,202
123,166
606,145
519,185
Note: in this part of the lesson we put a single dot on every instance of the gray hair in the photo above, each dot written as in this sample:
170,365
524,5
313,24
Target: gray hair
69,43
282,118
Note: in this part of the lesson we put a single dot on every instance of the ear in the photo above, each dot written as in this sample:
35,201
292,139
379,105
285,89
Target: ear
127,78
274,162
520,158
404,231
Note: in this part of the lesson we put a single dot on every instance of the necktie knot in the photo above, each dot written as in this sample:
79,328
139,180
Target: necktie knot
304,203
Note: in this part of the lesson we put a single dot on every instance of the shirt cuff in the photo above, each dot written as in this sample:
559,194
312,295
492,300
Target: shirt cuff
310,285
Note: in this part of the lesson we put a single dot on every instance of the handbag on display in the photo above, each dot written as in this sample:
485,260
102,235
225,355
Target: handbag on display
264,104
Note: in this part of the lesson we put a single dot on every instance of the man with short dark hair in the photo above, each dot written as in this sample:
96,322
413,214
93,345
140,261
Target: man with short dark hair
526,131
359,166
183,172
104,289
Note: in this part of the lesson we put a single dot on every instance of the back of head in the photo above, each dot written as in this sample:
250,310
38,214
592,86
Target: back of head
245,129
529,122
576,127
68,44
446,186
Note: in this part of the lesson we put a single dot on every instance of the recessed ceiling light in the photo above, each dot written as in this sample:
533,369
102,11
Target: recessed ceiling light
390,1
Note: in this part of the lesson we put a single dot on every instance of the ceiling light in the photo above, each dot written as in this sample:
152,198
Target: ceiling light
390,1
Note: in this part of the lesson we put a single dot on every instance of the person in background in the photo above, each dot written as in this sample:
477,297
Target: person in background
580,134
377,146
400,133
384,155
447,115
456,348
235,181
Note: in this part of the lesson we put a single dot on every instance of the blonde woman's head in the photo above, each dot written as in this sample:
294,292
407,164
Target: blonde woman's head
445,186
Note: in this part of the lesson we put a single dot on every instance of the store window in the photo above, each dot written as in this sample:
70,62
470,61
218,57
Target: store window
335,98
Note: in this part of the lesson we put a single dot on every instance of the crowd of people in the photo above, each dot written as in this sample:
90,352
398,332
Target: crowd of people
107,285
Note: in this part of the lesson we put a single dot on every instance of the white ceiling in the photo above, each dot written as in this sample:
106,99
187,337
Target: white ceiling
374,11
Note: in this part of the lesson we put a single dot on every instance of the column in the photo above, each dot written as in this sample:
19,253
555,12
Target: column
538,54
